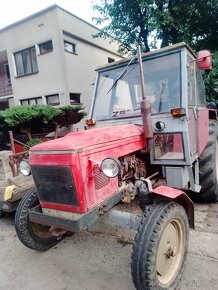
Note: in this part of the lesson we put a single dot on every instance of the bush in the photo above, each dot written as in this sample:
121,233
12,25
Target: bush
40,118
34,118
70,115
32,143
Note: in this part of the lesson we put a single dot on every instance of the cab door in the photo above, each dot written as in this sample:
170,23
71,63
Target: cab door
192,106
197,112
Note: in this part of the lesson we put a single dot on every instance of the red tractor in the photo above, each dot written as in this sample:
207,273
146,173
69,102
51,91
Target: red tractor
153,140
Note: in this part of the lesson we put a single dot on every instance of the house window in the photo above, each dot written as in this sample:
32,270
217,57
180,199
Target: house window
45,47
74,98
7,73
53,100
32,101
70,47
26,62
109,60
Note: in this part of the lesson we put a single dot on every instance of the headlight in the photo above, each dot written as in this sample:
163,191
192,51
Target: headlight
24,167
111,167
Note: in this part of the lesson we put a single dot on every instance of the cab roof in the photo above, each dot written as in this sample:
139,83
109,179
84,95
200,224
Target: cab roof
180,45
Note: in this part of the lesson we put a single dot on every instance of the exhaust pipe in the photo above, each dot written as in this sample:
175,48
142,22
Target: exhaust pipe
145,105
146,119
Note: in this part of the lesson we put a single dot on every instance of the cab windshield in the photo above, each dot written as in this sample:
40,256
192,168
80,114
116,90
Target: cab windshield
119,93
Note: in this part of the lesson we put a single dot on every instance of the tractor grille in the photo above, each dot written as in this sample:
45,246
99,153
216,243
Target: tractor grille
55,184
101,180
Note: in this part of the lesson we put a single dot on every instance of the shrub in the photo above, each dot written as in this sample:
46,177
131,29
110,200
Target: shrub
40,118
70,115
32,143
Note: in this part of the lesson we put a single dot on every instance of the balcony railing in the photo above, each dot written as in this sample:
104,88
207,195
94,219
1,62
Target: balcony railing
5,88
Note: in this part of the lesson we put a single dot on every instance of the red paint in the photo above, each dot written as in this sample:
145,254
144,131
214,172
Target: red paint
167,191
88,149
192,130
83,140
177,143
178,196
204,59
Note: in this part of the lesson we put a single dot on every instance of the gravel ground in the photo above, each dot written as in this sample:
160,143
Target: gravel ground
101,259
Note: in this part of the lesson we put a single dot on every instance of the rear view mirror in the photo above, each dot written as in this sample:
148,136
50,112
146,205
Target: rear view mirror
204,60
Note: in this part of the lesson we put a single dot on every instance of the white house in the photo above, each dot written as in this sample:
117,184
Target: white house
50,58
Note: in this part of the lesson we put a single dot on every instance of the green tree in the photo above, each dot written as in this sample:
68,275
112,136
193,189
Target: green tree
211,81
148,22
134,22
129,21
193,21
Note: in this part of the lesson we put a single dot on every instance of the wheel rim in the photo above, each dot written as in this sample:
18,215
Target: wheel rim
43,232
170,252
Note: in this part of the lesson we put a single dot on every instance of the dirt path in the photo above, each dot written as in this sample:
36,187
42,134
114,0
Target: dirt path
101,260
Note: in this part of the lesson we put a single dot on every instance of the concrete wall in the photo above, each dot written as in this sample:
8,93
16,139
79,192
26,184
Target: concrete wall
90,53
5,168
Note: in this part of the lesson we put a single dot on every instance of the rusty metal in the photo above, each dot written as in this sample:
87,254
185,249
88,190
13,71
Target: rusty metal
57,232
146,119
153,175
11,137
82,222
141,72
133,166
170,251
13,165
14,160
20,154
127,198
103,209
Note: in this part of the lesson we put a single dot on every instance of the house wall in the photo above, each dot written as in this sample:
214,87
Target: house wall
90,53
50,77
60,72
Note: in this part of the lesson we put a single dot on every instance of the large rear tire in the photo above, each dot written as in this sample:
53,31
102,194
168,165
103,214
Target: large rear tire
208,165
32,235
160,247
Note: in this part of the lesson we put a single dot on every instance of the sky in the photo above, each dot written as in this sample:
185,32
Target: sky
14,10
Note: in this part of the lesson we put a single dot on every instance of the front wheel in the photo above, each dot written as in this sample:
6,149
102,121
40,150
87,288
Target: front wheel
160,247
32,235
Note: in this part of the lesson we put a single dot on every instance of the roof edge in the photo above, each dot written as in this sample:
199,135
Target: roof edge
45,10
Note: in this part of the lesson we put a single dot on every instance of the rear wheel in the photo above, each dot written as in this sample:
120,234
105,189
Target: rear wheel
1,213
160,247
208,165
32,235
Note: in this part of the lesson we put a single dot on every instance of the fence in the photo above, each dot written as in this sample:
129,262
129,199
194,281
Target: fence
20,148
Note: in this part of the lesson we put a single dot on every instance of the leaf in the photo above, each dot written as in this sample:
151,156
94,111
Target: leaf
40,118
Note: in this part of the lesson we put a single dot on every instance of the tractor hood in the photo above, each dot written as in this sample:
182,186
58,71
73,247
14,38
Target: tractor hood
85,140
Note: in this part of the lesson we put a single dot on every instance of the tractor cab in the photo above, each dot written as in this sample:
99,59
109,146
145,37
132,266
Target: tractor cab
174,88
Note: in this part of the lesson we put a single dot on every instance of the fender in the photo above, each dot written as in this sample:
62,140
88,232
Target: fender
179,197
